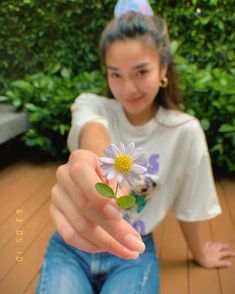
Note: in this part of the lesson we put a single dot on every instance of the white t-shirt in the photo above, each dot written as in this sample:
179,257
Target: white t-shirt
179,174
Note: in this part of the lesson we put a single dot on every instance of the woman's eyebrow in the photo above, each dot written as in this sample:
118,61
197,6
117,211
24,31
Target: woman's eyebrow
112,67
139,66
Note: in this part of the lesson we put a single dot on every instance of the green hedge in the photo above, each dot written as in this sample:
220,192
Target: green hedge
48,52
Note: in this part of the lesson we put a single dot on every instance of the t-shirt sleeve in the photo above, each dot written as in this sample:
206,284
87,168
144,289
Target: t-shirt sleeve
196,197
86,108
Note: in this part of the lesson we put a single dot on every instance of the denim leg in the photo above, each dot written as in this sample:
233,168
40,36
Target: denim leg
140,276
63,271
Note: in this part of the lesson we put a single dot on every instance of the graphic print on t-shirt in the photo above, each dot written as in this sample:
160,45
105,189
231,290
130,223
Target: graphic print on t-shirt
143,192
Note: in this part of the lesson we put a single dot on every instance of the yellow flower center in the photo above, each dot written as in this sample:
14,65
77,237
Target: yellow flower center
123,163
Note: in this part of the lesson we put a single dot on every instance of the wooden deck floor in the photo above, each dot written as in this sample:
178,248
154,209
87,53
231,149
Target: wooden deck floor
25,228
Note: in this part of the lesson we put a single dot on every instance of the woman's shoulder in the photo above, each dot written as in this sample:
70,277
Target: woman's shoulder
171,118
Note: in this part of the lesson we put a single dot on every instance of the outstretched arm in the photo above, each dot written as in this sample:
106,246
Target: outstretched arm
82,217
209,254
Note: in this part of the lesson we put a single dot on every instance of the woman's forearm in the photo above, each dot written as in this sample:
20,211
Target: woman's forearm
193,238
94,137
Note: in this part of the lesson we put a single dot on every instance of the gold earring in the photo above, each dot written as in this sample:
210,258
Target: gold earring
164,82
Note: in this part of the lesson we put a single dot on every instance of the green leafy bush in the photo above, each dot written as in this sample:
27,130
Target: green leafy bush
48,52
209,94
47,98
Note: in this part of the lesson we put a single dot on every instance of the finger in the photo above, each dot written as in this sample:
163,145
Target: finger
223,263
220,245
68,233
86,179
63,180
111,209
227,253
89,230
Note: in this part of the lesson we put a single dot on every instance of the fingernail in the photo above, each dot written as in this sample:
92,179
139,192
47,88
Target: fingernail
112,212
133,243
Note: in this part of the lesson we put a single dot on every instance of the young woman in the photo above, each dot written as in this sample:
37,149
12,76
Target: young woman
97,249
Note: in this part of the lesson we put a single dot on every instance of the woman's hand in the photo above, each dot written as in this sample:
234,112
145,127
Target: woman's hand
216,255
209,254
85,219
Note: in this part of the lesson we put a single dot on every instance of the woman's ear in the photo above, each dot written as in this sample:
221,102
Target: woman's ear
163,71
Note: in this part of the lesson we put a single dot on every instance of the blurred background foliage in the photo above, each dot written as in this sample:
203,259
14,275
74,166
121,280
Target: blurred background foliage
49,55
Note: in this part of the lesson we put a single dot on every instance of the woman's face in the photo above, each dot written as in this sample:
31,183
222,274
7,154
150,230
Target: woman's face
134,75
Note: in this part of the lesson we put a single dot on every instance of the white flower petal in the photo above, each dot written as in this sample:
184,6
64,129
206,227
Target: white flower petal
137,153
135,176
106,172
111,174
109,152
106,160
141,161
139,169
115,149
122,148
106,166
120,178
121,183
130,148
131,181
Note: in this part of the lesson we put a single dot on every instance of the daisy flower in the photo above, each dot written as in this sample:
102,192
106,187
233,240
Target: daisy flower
124,163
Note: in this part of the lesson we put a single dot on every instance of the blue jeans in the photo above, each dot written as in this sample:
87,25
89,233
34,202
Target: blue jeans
68,270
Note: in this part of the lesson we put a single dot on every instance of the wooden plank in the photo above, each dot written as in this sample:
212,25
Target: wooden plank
158,237
174,271
15,195
223,230
31,288
29,208
22,273
10,174
9,170
228,187
29,233
202,280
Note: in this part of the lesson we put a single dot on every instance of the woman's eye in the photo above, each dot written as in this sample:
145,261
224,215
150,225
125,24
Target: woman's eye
114,75
142,73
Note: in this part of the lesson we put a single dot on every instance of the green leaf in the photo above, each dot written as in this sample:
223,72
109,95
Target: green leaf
23,85
225,128
65,73
126,201
205,123
104,190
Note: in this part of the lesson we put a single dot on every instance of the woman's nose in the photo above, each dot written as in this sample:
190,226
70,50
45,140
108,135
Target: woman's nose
130,88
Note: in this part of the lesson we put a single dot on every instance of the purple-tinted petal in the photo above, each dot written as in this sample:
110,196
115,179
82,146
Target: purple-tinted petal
119,177
106,172
140,161
115,149
111,174
105,167
139,169
121,183
135,176
106,160
138,151
109,152
122,148
131,181
130,148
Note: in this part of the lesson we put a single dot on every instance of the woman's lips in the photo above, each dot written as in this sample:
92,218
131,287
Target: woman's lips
134,100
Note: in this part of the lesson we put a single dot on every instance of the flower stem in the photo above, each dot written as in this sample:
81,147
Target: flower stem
115,195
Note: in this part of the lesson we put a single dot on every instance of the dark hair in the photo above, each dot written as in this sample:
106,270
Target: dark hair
146,28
